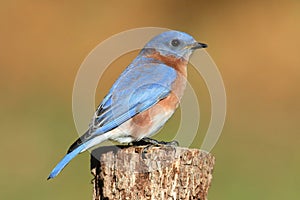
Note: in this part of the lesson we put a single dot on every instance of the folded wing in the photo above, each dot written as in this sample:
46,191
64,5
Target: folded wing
137,89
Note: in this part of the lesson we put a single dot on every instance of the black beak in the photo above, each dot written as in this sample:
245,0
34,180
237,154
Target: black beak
199,45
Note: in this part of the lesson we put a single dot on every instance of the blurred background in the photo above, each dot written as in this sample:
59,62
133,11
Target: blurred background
255,44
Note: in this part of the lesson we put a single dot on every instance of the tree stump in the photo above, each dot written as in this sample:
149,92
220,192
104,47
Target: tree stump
164,172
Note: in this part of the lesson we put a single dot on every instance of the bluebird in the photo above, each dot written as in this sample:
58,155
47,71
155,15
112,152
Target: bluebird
144,96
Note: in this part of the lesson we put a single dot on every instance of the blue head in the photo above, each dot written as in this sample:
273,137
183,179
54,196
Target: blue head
174,43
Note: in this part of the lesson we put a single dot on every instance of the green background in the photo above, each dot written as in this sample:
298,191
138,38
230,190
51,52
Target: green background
255,44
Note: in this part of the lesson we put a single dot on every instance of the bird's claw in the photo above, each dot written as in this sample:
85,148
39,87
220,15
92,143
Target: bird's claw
159,143
152,142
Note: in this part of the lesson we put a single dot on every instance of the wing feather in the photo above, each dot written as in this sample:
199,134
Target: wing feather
136,90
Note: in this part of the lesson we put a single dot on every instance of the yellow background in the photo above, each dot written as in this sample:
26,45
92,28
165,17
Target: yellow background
254,43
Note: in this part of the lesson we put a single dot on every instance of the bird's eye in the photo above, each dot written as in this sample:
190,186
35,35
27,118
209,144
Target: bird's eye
175,43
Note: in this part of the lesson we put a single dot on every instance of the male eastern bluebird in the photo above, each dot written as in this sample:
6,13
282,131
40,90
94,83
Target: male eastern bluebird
143,98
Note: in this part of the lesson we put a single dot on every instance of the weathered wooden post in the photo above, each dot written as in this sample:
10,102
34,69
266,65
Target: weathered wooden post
164,172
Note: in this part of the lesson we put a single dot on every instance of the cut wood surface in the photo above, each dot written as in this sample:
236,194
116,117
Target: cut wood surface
163,172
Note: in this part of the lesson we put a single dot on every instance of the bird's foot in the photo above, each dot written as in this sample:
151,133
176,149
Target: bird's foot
149,142
154,142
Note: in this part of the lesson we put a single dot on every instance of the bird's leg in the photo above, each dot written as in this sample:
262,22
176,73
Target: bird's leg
159,143
139,143
152,142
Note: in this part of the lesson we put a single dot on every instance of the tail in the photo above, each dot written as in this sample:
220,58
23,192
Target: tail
74,151
62,164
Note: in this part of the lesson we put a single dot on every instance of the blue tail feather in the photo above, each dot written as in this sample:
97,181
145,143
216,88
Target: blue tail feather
57,169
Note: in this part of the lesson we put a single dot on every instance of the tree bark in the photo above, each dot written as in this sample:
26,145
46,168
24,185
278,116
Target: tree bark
139,172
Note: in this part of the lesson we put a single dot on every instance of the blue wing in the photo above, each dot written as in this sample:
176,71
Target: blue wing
137,89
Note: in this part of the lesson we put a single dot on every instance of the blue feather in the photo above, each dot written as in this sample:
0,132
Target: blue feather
138,88
62,164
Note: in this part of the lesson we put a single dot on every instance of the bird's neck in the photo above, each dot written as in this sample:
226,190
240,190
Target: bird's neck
179,64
